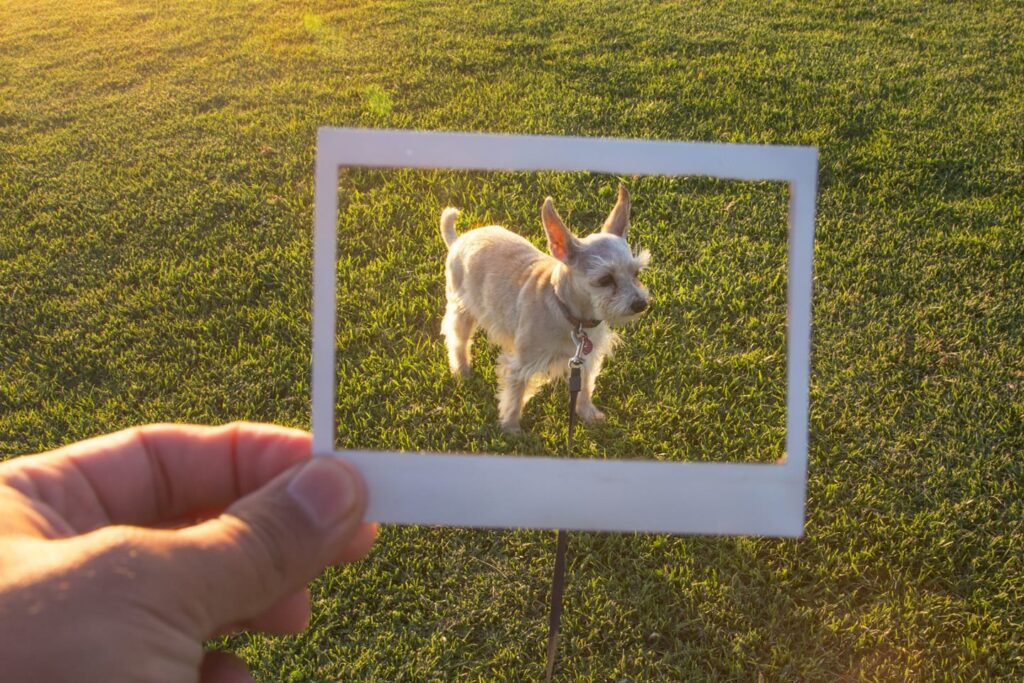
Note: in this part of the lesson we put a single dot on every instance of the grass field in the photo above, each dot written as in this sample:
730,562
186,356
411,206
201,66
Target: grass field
155,212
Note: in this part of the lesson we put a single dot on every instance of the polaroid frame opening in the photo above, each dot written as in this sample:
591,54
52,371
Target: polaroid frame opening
566,493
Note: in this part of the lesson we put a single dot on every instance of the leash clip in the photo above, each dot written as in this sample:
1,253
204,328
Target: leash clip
583,346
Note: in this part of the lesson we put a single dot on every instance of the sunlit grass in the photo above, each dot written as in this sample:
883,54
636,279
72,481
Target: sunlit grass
155,213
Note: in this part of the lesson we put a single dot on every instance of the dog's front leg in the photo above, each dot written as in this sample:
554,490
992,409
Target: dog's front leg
512,386
588,412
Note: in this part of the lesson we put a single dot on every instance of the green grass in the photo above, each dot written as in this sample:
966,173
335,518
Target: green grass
155,211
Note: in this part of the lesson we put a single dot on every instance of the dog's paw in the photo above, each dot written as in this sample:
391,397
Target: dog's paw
590,414
461,371
511,428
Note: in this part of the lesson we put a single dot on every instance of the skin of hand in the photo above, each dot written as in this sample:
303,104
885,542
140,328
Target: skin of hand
121,555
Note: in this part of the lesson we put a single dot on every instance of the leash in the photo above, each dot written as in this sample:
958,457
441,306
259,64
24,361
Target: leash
583,347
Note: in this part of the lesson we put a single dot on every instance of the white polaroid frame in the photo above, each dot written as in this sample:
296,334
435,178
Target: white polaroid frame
565,493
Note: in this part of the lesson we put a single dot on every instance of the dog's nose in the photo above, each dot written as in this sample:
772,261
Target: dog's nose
638,305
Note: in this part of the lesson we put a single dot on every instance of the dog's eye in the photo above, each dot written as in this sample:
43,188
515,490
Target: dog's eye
606,281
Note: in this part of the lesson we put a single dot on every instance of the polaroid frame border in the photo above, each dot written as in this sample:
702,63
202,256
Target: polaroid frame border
566,493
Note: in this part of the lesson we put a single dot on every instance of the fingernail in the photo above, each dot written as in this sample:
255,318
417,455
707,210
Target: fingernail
325,490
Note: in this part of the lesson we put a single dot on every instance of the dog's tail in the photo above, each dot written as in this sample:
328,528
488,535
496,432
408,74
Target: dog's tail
448,217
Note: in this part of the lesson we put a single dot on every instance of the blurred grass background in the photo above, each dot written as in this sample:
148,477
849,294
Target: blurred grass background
155,212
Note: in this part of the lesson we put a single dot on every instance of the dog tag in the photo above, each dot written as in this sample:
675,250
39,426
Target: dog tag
588,345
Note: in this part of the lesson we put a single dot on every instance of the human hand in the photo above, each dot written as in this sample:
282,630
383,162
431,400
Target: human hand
121,555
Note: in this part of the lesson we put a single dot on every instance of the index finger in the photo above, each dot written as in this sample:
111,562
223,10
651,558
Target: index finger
156,473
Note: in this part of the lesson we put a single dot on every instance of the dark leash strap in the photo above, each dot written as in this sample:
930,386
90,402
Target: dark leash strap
557,589
583,346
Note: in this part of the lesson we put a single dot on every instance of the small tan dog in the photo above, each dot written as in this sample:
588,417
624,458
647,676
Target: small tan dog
529,303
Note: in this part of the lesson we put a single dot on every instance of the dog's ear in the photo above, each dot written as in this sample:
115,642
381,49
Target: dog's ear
561,241
617,222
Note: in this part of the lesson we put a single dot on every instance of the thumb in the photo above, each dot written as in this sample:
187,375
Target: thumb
269,543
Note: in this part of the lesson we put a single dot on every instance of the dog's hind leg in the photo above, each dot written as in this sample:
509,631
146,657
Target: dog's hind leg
458,327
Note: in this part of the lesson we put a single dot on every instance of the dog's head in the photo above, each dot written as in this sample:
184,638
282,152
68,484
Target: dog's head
602,267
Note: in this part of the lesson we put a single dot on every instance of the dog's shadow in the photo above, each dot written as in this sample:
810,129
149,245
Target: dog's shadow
545,418
546,427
